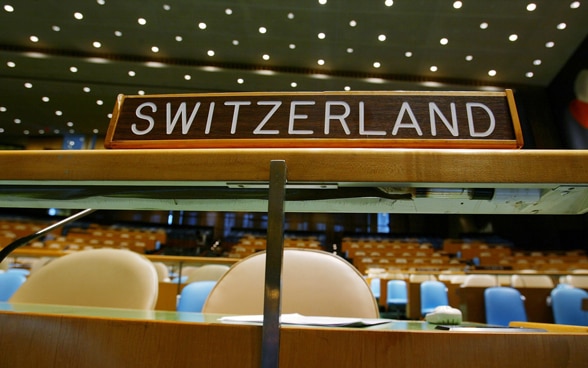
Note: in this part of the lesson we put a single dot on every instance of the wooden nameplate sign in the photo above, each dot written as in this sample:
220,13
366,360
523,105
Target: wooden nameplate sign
317,120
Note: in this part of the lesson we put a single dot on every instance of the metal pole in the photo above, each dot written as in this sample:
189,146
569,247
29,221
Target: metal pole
270,344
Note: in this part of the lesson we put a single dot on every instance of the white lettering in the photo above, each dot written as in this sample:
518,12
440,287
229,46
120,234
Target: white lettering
362,130
236,104
434,110
341,118
473,132
398,124
294,116
209,118
186,124
140,115
258,129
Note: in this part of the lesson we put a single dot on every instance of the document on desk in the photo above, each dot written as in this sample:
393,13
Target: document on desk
299,319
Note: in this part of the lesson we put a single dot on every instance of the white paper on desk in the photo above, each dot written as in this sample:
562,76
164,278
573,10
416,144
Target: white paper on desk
299,319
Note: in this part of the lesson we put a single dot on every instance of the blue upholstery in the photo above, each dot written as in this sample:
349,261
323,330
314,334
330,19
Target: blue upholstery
433,294
397,294
503,305
9,283
567,306
194,295
375,286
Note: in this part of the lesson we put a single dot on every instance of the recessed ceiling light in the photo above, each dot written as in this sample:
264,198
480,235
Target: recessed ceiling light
322,2
179,38
377,64
45,99
433,68
265,57
389,3
78,16
531,6
561,26
457,4
492,73
320,62
142,21
56,28
529,74
408,54
210,52
290,15
70,124
73,69
240,80
549,44
202,25
321,35
17,121
28,85
166,7
291,46
262,30
537,62
58,112
11,64
349,50
99,102
352,23
228,11
118,33
101,2
513,37
8,8
382,37
187,77
1,130
469,58
484,25
154,49
86,89
3,109
444,41
235,42
293,84
575,5
97,44
132,73
34,39
95,131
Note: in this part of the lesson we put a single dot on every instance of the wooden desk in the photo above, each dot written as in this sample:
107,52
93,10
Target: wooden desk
59,336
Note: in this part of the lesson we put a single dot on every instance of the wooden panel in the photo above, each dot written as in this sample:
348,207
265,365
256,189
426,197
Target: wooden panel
39,340
328,165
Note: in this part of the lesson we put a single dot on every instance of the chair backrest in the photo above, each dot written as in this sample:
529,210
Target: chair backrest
578,280
397,292
479,281
162,271
566,303
314,283
375,287
209,272
9,283
503,305
531,281
194,295
433,294
105,277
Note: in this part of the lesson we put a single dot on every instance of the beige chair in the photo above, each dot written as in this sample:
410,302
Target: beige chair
314,283
162,271
531,281
479,281
101,278
209,272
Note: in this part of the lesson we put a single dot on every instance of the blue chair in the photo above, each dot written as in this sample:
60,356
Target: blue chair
194,295
503,305
375,286
433,294
567,306
9,283
397,297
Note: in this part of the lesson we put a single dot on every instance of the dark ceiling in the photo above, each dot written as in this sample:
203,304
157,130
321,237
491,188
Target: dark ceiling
63,62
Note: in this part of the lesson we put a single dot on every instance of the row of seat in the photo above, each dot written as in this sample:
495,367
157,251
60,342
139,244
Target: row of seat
250,244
